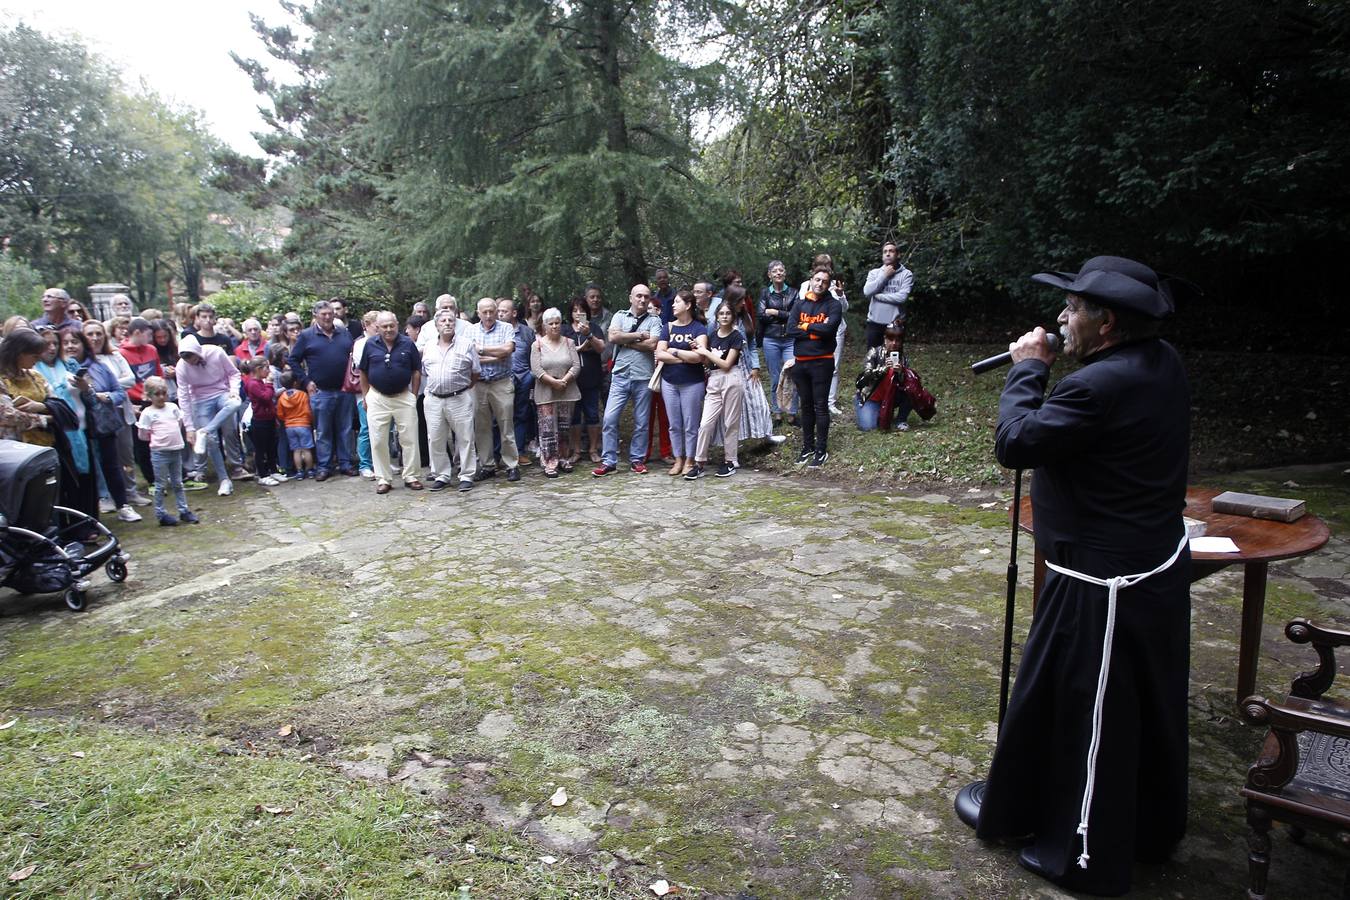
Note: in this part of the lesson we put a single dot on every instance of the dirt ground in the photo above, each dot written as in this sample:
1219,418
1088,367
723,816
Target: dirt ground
762,687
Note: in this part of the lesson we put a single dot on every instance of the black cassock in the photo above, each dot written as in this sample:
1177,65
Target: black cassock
1109,446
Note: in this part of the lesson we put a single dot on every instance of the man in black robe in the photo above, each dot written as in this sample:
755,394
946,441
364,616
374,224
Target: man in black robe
1109,447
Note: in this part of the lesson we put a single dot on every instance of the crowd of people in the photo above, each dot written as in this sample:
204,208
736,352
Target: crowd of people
186,398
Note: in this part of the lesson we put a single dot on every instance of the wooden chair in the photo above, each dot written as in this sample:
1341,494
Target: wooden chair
1302,777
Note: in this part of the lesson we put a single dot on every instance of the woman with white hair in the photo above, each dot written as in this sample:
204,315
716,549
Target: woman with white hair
556,365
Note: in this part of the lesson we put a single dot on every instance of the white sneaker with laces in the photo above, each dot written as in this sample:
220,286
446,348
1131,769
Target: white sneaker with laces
136,498
199,443
127,514
368,473
835,410
226,487
105,505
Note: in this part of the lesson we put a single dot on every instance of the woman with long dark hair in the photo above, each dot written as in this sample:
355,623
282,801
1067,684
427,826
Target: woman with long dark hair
756,420
586,331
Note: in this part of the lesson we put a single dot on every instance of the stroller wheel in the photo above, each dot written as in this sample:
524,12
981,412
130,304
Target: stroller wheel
75,599
116,569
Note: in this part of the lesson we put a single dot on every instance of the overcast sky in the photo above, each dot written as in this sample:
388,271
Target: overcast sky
180,48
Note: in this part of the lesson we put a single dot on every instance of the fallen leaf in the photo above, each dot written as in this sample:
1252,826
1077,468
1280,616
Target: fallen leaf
23,873
10,724
660,888
559,797
423,757
78,754
548,860
38,804
284,731
989,505
220,562
274,810
1291,483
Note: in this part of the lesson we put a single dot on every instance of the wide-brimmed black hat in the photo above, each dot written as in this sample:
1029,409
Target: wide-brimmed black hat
1117,282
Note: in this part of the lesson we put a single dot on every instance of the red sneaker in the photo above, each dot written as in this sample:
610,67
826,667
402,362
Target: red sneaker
639,468
602,470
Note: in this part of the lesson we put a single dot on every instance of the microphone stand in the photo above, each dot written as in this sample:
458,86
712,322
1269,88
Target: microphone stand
971,797
1010,606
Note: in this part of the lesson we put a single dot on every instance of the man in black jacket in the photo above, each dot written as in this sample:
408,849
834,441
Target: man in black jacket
1092,757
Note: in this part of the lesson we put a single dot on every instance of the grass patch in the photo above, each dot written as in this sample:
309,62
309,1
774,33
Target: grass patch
1250,409
146,816
251,662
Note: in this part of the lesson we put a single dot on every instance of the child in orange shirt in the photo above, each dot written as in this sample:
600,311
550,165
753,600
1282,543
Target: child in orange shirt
294,415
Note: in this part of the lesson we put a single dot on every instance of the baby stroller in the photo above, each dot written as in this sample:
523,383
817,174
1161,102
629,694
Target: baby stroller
45,548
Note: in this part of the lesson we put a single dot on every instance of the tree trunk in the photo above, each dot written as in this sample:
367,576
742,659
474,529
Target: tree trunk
628,226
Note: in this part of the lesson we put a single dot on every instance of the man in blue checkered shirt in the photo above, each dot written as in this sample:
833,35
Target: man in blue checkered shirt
496,341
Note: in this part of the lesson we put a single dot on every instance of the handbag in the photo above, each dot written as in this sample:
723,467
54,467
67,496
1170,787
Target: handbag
106,418
351,379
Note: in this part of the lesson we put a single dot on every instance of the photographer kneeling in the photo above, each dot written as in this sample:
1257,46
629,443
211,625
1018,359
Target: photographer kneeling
880,399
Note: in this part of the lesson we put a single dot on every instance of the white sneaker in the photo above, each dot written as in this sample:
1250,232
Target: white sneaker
367,474
226,487
835,410
105,505
136,498
127,514
267,481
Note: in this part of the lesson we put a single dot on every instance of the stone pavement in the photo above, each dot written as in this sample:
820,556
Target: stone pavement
758,687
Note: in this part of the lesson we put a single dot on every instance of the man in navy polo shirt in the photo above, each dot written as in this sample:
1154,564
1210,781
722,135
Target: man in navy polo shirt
319,359
391,372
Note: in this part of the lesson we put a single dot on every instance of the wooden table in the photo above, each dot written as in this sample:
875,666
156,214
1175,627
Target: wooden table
1260,542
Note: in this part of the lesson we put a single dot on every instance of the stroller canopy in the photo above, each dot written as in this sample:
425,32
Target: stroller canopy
20,465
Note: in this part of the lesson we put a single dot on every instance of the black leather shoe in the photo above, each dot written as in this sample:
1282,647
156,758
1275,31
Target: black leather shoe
1074,879
968,801
484,474
323,475
513,473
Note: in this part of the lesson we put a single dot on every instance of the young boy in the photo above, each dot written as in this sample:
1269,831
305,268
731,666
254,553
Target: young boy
161,426
294,415
262,431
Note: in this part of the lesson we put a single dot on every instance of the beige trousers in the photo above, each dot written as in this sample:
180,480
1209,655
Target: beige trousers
724,398
496,400
401,411
444,415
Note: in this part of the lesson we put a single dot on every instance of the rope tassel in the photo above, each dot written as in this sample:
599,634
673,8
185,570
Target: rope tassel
1113,586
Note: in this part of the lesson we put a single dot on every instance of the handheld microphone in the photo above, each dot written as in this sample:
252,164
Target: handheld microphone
1002,359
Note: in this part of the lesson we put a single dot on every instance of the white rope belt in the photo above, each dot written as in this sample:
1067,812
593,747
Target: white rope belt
1113,586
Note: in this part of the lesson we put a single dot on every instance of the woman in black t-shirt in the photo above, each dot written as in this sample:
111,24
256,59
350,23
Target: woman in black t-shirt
725,394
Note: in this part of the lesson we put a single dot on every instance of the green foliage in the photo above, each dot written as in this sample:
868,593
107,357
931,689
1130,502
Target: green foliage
20,289
1211,142
99,184
477,145
239,303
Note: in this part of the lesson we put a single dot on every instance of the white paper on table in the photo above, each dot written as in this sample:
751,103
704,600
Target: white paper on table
1208,544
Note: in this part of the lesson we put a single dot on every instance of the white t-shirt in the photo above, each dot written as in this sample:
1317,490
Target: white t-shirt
165,424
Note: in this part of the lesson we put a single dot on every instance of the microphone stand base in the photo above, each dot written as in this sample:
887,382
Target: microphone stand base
968,801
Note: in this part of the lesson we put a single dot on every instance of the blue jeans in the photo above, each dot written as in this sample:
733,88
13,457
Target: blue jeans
332,429
623,388
363,437
776,352
869,413
168,465
210,416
